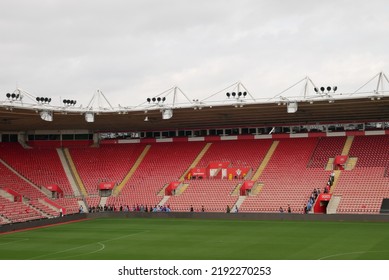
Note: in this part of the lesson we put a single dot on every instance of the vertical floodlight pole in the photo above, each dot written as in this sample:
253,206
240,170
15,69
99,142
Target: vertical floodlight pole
174,95
380,83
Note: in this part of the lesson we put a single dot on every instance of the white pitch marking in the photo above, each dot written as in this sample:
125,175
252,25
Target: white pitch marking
78,247
350,253
19,240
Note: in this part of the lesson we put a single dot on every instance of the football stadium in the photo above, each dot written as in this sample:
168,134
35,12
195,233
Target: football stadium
229,177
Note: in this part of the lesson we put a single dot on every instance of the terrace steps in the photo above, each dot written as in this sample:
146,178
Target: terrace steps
265,161
74,171
118,188
196,161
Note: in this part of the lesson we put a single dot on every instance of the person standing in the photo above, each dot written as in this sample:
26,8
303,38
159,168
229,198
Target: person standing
289,209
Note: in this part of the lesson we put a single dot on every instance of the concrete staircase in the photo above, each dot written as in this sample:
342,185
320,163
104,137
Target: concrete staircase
333,204
196,161
84,207
265,161
345,151
162,191
238,203
74,172
119,187
236,192
181,188
103,201
164,200
68,172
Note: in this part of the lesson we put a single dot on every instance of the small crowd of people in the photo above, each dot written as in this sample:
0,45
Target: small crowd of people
288,209
316,192
127,208
191,209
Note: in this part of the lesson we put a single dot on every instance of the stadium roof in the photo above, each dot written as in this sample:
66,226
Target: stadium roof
172,110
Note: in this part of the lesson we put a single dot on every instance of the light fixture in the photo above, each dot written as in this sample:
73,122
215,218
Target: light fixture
146,119
14,96
328,88
292,107
68,102
167,114
46,116
156,99
89,117
43,100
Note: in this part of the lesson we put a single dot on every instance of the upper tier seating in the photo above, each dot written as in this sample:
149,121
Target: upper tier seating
326,148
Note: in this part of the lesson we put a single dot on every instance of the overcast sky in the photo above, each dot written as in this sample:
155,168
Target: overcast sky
132,50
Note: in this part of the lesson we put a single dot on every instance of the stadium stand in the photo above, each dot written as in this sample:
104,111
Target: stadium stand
362,189
41,166
164,163
17,212
295,167
326,148
286,179
215,193
108,163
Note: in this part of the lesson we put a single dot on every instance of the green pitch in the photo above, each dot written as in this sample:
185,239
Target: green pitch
193,239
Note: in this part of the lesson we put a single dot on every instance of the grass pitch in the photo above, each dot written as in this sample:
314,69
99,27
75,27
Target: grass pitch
194,239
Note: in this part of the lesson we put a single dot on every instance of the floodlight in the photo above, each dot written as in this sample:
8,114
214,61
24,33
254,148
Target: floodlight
292,107
89,117
167,114
46,116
